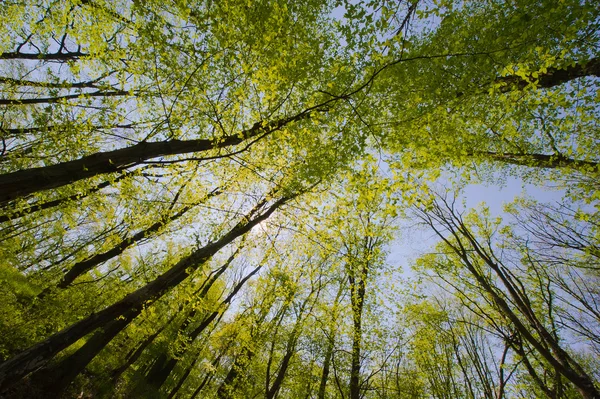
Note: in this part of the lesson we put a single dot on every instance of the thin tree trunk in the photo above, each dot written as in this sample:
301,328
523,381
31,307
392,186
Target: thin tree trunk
162,369
52,100
159,373
518,346
84,266
135,355
205,381
90,84
330,345
66,56
355,365
290,350
209,375
229,384
325,372
60,128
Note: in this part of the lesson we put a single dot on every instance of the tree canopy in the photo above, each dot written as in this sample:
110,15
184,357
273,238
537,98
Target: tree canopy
204,199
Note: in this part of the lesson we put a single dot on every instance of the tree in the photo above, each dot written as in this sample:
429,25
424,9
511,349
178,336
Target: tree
362,251
521,296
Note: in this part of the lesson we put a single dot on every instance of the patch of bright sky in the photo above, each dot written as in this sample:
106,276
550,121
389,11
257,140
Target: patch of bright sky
414,241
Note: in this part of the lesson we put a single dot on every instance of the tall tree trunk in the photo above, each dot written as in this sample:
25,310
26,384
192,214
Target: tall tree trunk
54,203
355,365
210,375
285,362
52,100
330,344
115,317
544,161
64,56
326,368
553,76
161,370
229,384
290,350
357,295
28,181
205,381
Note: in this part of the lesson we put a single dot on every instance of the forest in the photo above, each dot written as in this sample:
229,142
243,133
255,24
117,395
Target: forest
274,199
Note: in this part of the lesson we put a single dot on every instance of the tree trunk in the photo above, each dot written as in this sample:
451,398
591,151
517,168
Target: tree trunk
553,77
326,367
357,295
52,100
54,379
66,56
355,366
330,345
161,370
24,182
281,372
209,375
205,381
543,161
51,204
290,350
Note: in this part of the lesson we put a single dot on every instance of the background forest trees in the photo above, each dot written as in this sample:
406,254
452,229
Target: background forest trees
198,199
